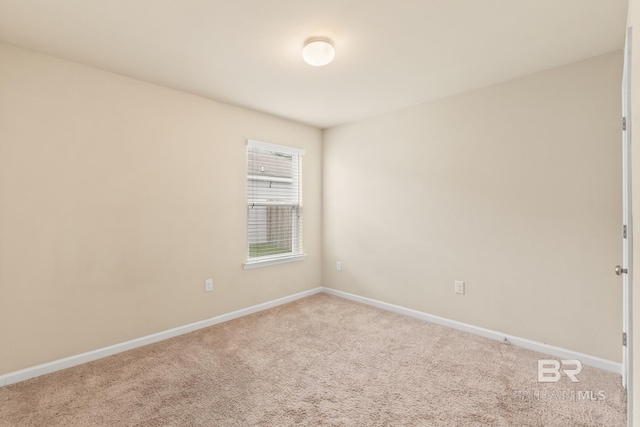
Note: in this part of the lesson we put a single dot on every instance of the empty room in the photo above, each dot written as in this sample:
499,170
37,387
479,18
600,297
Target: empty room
338,213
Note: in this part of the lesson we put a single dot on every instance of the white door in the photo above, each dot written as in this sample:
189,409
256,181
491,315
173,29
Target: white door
627,231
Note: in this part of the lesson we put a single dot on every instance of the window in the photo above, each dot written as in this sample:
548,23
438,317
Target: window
274,208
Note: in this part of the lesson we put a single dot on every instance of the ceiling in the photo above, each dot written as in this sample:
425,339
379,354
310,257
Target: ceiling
390,54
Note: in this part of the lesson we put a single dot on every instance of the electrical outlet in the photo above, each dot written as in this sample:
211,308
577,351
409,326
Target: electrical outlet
458,287
339,265
208,285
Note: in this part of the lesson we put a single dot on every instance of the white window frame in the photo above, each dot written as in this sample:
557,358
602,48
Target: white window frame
296,254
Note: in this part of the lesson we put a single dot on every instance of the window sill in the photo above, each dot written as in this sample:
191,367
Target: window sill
273,261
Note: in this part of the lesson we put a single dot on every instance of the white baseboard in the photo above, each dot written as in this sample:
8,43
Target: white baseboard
586,359
67,362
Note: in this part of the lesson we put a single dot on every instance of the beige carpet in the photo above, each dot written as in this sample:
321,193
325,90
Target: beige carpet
319,361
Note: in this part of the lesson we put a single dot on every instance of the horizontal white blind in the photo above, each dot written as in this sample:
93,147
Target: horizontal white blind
274,208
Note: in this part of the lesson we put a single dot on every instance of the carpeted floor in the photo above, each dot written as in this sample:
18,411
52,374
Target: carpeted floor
319,361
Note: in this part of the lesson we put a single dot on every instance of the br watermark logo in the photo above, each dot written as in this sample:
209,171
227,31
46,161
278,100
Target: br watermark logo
549,370
553,371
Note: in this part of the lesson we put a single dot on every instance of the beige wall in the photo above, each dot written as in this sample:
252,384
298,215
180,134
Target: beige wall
513,188
118,199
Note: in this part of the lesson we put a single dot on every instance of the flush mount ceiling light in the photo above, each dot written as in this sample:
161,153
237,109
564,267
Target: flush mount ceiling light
318,51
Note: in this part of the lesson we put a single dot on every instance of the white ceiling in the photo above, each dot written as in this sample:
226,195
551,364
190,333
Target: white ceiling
390,53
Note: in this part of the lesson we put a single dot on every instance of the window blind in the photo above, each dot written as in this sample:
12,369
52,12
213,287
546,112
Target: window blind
274,200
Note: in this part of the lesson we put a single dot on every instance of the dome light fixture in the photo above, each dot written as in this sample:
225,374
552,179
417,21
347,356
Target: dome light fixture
318,51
